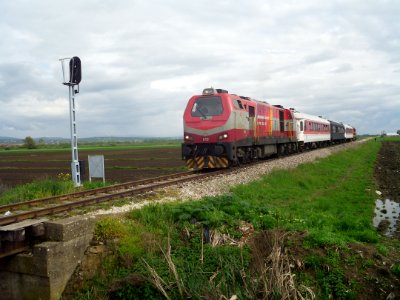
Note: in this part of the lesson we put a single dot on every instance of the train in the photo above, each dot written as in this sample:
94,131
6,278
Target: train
223,130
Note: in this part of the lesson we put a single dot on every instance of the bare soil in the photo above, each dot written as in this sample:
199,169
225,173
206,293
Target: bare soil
120,165
363,268
387,171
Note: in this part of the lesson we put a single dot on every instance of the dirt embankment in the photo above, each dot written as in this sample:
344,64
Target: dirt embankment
387,171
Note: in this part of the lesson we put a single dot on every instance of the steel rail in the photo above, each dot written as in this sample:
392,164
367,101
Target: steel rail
123,190
14,206
131,188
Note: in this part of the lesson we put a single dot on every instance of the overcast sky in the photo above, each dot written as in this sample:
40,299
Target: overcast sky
142,60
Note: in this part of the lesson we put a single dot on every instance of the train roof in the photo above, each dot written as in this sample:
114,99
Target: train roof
347,125
336,123
303,116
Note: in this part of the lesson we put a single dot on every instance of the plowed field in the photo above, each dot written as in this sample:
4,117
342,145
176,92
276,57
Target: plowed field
387,170
120,165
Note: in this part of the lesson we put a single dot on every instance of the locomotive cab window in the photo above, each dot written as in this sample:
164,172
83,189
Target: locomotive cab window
237,104
207,106
252,112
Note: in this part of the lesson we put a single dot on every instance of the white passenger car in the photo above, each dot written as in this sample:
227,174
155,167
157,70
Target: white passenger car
312,131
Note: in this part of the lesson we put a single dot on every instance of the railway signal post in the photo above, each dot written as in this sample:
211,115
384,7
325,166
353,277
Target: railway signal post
75,76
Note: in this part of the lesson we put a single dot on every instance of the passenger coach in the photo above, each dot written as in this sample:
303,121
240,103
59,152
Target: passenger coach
312,131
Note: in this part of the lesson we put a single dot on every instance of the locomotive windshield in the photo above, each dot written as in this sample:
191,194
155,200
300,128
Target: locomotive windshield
207,106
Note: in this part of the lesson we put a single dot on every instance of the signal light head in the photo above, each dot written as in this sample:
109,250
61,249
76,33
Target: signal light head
75,71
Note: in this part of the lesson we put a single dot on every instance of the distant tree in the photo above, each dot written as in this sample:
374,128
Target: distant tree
398,132
29,143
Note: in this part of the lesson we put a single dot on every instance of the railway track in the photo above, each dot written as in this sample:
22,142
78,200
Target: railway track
22,223
17,212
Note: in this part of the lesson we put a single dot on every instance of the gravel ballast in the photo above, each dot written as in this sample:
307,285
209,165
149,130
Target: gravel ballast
223,183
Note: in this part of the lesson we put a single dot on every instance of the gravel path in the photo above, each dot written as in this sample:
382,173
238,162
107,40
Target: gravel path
223,183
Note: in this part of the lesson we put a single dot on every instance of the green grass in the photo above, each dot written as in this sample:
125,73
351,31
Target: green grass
35,190
44,188
95,147
331,200
163,250
395,138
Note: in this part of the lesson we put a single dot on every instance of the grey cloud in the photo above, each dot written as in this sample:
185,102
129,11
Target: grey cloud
142,60
319,57
342,68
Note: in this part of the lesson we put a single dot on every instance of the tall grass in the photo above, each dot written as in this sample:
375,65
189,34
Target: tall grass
96,146
332,199
36,189
196,249
44,188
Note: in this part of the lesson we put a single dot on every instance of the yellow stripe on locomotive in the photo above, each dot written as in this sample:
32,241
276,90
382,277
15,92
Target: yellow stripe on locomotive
209,162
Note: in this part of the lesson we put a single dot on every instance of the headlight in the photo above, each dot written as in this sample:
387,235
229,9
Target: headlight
188,138
223,136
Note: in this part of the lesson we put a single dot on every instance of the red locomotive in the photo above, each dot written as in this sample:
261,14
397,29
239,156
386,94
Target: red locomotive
222,129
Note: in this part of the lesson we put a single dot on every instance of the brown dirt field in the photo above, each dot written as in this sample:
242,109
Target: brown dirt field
387,171
120,165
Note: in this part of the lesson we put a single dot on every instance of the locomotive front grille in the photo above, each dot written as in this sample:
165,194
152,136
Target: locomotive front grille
209,161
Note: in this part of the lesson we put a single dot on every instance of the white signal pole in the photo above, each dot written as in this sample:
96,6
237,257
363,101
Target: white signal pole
76,173
75,78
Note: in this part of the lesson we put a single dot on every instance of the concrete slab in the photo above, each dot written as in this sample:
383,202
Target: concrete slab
70,228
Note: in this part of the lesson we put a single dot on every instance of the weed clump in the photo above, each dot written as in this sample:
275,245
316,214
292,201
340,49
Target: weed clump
35,190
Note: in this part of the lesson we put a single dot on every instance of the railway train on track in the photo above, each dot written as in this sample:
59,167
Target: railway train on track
223,130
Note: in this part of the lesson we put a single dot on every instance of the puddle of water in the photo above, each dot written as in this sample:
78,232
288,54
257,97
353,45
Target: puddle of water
387,216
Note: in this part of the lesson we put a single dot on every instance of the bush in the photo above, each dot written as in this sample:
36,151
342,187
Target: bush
29,143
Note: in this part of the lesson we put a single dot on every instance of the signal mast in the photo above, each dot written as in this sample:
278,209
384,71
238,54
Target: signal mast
75,77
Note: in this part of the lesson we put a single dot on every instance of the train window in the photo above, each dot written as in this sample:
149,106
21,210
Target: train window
207,106
237,104
301,126
252,112
281,121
